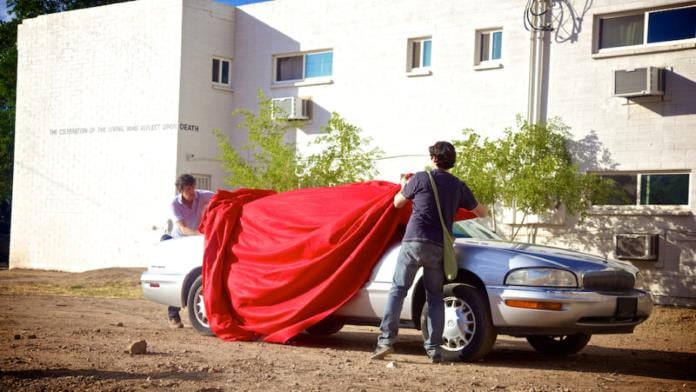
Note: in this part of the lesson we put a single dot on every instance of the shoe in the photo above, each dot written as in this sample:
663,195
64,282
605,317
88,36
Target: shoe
174,323
381,352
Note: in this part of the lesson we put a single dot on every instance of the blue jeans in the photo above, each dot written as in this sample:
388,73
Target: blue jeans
412,256
173,313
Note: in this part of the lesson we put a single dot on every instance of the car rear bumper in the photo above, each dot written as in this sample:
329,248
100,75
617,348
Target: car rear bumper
581,311
163,288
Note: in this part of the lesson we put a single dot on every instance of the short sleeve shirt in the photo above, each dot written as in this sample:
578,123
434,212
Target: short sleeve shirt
191,216
424,224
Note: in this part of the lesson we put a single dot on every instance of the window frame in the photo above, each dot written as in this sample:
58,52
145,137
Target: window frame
491,63
643,47
202,180
420,69
304,78
638,191
220,67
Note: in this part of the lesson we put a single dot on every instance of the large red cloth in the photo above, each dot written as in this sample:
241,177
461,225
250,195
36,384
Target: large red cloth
277,263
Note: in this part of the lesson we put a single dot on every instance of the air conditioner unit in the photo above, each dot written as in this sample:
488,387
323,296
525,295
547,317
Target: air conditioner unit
636,246
639,82
291,108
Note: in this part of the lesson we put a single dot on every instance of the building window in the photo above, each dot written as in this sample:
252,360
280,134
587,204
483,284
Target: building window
221,71
202,181
303,66
645,189
419,53
490,45
647,27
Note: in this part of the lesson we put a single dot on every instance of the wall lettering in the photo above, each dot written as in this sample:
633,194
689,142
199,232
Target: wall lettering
129,128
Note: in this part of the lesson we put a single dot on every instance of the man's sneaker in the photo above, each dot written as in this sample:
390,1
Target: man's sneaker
437,358
381,352
175,323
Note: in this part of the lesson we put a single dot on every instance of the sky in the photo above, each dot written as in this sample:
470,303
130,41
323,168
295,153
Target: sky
5,16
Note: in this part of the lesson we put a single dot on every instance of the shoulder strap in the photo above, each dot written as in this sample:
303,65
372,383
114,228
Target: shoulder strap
437,202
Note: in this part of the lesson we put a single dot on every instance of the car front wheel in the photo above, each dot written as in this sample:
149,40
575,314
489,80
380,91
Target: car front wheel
196,308
559,345
327,326
468,332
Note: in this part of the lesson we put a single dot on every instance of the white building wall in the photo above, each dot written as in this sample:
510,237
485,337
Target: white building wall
119,65
640,135
97,112
208,31
371,89
404,115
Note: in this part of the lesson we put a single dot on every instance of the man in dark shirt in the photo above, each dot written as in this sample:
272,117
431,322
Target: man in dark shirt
422,247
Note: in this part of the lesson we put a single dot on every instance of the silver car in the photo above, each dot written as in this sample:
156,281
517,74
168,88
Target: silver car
555,298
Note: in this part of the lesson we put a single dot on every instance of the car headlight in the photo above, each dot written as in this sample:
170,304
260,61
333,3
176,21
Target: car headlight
641,283
548,277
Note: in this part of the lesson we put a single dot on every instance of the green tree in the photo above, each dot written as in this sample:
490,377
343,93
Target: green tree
21,9
529,170
269,161
272,162
344,156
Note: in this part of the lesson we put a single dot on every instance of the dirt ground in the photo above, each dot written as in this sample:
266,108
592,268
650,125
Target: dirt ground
74,339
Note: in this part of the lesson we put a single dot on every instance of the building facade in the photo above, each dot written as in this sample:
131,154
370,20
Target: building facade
127,100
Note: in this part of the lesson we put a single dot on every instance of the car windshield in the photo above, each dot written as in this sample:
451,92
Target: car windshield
472,229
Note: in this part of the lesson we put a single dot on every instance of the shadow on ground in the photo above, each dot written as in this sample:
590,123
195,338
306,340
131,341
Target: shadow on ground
666,365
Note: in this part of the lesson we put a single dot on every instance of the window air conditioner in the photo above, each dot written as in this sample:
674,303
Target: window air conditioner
291,108
638,82
636,246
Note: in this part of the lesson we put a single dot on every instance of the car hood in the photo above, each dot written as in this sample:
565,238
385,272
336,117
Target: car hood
512,255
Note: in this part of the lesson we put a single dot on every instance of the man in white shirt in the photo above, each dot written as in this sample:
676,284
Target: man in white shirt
188,206
187,210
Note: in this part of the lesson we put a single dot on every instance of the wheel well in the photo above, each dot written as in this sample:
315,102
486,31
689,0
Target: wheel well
463,276
188,282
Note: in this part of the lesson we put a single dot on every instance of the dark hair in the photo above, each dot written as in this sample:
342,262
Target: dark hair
444,155
184,180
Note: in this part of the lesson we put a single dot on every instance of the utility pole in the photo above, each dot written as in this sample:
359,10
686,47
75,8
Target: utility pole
537,20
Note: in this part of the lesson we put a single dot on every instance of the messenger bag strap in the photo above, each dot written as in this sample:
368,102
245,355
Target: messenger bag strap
439,209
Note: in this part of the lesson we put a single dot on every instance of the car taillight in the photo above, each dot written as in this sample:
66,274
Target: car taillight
154,284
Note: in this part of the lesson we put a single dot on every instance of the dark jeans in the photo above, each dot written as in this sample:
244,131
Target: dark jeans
412,256
173,313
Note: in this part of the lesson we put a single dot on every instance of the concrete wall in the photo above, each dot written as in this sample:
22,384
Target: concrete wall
208,31
149,62
96,134
371,89
370,86
640,135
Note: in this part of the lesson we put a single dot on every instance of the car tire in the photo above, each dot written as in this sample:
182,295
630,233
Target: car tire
469,333
559,346
196,308
327,326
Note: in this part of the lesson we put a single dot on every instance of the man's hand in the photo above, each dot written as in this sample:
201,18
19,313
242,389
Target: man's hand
480,211
185,230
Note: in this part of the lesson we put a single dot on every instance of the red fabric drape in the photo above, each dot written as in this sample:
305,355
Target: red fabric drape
276,263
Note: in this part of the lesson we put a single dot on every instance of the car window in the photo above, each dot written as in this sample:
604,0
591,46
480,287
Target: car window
472,229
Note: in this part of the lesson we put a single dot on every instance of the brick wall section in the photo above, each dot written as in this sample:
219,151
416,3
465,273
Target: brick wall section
88,189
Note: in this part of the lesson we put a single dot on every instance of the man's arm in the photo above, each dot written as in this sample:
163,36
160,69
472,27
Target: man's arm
399,200
185,229
481,211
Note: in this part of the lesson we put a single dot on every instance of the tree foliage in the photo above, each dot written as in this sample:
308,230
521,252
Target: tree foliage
269,161
343,158
529,170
